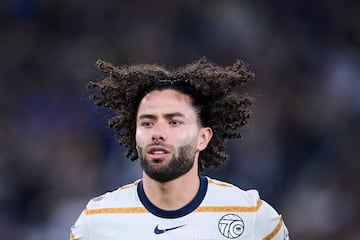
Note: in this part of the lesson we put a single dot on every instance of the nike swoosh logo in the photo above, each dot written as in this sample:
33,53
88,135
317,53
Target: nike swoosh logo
161,231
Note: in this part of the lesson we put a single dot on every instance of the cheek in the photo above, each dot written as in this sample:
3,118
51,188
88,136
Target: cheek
140,137
187,137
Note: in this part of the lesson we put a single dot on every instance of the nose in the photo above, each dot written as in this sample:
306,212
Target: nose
157,138
159,133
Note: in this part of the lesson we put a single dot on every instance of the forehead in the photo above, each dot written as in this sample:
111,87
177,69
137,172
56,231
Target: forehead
168,99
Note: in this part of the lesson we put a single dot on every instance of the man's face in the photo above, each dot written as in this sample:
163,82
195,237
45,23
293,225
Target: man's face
168,135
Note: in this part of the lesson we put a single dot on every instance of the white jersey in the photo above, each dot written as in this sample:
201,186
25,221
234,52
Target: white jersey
219,211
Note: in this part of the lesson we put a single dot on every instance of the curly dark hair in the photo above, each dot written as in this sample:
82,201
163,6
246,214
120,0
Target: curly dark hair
216,92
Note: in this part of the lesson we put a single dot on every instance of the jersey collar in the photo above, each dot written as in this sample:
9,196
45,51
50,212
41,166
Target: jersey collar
188,208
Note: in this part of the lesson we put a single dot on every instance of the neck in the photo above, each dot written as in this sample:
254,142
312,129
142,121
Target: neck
174,194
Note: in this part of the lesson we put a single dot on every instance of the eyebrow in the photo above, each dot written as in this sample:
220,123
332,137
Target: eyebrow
167,115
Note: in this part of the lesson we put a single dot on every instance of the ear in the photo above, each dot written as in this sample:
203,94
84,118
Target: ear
205,136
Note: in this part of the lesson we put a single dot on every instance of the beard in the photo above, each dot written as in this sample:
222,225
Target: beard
177,166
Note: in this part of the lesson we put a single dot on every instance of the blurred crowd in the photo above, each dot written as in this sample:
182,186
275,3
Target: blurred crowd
301,149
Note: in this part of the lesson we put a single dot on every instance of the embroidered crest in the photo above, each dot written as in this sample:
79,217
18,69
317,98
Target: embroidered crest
231,226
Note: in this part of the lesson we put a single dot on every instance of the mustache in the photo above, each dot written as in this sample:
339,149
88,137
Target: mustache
160,144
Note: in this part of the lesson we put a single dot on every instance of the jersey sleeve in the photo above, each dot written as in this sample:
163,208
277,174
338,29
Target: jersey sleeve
269,224
79,231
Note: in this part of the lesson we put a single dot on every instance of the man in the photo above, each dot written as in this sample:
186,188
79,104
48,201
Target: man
177,123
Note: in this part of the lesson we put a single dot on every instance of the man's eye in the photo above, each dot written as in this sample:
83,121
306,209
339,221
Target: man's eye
147,124
175,122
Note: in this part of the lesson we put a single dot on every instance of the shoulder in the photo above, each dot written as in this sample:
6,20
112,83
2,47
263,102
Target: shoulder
117,201
233,195
124,196
268,223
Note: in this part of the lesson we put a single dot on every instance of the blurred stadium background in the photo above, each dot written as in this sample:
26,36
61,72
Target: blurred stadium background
301,149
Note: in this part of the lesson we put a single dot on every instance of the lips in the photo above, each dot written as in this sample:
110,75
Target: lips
157,152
